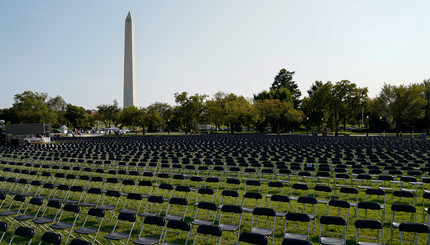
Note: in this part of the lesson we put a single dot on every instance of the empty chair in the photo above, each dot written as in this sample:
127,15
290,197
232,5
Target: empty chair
110,202
176,226
230,219
203,194
264,222
274,187
94,217
404,196
330,235
309,206
132,203
401,213
297,226
31,211
250,201
207,232
176,209
341,207
228,197
92,198
49,215
25,232
153,207
299,190
125,223
66,227
153,227
373,232
205,213
371,210
322,193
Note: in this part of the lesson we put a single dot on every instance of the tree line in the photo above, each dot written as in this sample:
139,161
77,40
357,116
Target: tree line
281,108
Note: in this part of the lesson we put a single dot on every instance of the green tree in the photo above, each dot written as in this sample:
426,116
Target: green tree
405,104
109,113
334,103
153,120
58,105
129,116
235,111
76,116
31,107
284,79
188,110
276,112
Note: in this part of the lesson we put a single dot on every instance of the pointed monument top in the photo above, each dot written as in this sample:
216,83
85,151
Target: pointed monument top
129,16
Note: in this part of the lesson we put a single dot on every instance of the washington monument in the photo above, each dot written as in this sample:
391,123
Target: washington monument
129,66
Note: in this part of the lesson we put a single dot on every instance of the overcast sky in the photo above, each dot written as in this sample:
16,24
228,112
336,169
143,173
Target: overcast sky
75,48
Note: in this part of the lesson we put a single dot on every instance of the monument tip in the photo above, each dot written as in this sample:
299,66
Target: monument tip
129,15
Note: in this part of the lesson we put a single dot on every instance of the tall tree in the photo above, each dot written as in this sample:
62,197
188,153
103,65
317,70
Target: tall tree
109,113
76,116
235,111
129,116
405,104
30,107
276,112
284,79
189,109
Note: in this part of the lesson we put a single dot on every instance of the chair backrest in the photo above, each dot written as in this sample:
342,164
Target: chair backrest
77,241
51,237
209,230
292,241
24,232
253,238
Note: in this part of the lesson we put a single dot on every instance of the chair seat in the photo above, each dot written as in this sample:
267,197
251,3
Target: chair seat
8,213
296,236
145,214
116,236
128,210
173,217
61,225
87,204
228,227
43,220
86,230
107,207
332,241
202,222
146,241
262,231
24,217
70,202
369,243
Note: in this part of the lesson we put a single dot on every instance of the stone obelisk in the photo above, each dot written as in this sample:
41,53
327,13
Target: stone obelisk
129,66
